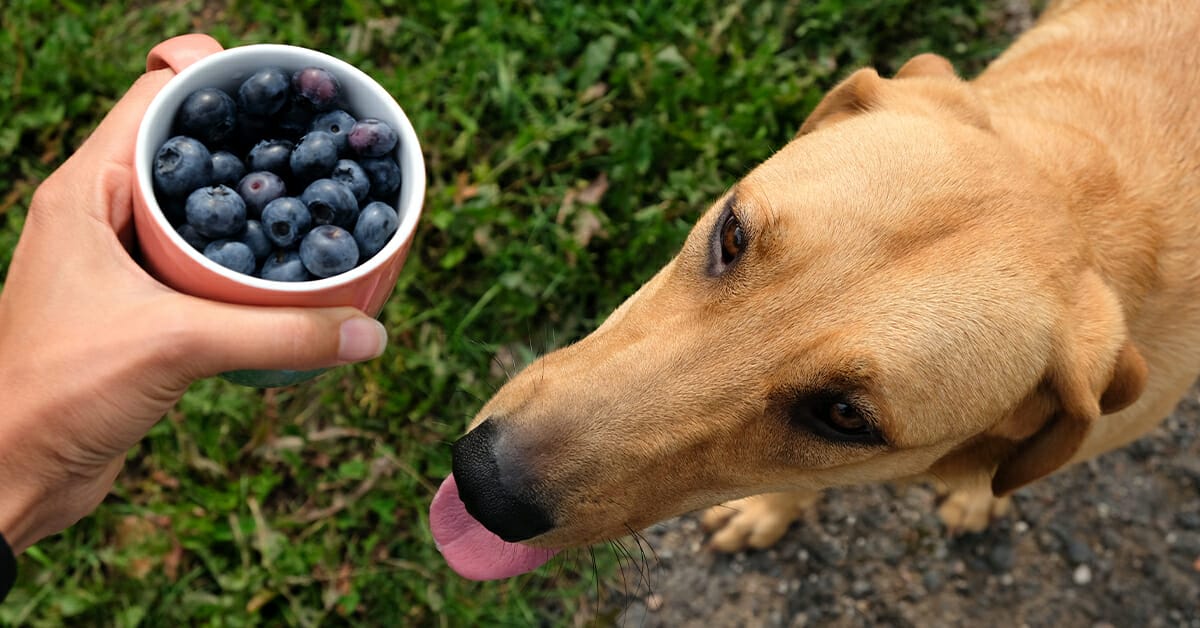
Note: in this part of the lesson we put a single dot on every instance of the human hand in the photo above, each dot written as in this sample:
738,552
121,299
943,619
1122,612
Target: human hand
93,351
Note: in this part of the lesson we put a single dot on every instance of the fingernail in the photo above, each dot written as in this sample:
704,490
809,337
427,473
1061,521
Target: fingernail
362,339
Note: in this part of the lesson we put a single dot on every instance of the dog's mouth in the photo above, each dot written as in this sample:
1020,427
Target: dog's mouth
471,550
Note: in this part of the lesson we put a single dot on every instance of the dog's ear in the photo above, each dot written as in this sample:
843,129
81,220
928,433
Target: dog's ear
1095,369
858,93
928,65
926,84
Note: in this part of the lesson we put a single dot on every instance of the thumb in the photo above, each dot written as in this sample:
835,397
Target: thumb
219,337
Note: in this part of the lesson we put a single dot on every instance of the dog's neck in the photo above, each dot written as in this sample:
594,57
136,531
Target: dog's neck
1103,105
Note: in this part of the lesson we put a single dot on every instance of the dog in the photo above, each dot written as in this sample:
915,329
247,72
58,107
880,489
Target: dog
976,283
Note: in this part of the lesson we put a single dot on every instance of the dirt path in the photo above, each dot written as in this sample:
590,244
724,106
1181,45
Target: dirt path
1115,542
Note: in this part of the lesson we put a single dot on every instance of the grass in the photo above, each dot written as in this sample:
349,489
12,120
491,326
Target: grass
570,145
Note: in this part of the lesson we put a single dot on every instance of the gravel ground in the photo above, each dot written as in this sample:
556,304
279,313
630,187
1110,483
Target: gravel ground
1113,542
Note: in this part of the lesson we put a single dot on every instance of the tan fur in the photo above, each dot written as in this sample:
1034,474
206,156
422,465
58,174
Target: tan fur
991,266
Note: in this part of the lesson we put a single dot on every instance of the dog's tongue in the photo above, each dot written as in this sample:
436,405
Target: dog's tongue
471,549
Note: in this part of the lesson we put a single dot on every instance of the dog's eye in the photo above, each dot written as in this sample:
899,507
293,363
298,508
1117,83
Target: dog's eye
846,419
733,239
834,417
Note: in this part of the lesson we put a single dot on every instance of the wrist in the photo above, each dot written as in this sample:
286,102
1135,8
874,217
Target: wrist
18,514
23,490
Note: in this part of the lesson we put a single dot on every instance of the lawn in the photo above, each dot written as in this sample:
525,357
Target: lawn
569,147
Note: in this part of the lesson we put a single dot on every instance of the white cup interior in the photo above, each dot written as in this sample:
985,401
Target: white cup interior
364,98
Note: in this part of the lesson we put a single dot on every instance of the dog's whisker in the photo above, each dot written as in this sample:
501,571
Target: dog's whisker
612,545
617,545
643,565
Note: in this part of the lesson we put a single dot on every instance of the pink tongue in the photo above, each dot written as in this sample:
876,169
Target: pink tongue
469,548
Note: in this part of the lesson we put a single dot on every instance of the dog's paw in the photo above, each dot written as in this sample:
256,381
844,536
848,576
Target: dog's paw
965,511
754,522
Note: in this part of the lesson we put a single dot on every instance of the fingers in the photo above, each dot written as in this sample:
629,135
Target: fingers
217,337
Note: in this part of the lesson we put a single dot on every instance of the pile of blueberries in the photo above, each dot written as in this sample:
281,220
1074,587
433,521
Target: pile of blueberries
311,199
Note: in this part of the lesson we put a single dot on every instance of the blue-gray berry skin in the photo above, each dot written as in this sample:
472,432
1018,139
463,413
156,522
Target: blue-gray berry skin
285,220
376,224
192,237
350,173
231,254
372,137
328,250
330,203
208,114
284,266
314,157
181,165
271,156
265,92
337,123
255,237
227,169
216,211
317,88
384,174
259,188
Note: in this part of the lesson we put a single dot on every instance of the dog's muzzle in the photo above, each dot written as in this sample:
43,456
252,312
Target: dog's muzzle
496,488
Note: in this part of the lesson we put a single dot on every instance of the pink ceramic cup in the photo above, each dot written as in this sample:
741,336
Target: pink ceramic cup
199,62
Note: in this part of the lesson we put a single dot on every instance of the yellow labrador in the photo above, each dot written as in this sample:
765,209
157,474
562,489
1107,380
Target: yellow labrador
978,282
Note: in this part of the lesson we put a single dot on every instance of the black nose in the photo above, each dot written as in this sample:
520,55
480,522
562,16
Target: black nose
498,495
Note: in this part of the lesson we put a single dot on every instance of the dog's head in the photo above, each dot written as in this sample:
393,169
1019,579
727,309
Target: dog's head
896,292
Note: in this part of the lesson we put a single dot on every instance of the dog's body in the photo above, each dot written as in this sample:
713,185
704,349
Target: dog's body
976,282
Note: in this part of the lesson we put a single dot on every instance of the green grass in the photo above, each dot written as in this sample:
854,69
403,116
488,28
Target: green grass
308,505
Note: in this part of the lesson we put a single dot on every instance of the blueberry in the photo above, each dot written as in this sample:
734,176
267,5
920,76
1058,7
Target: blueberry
208,114
375,226
231,254
258,189
285,220
328,250
192,237
255,237
349,172
227,169
271,156
330,203
385,177
216,211
337,123
372,138
314,157
182,165
317,87
264,93
284,266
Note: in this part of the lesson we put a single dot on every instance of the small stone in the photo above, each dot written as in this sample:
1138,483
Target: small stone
1082,575
654,602
861,588
1078,552
1188,520
1002,558
933,581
